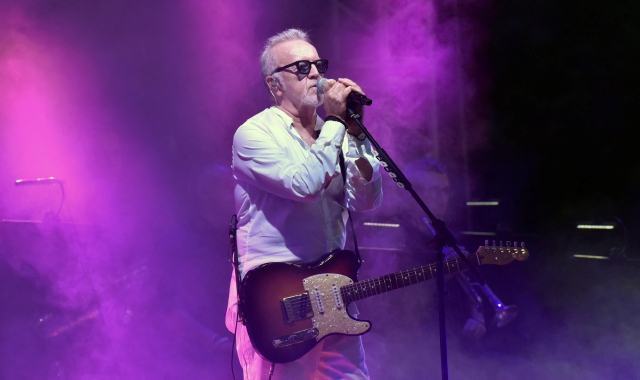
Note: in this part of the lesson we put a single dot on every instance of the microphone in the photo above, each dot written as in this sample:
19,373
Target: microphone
38,181
354,97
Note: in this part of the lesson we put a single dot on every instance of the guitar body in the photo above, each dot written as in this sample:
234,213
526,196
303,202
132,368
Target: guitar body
289,308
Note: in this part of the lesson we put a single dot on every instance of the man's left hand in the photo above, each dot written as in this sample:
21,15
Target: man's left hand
353,128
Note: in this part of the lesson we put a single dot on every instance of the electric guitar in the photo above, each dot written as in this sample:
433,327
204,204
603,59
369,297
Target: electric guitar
288,308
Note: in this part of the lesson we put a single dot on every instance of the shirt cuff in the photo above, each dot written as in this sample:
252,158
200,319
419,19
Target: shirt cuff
334,131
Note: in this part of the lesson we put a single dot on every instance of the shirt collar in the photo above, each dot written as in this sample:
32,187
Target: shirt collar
288,121
319,123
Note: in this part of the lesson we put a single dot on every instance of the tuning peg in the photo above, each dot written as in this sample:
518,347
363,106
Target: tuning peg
522,244
486,242
508,243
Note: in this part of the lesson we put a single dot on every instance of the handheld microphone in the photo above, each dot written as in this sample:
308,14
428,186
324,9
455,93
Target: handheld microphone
354,97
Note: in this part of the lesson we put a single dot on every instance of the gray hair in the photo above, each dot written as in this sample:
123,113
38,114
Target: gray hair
268,61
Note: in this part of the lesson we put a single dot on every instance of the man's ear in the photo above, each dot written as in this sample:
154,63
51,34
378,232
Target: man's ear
272,83
272,86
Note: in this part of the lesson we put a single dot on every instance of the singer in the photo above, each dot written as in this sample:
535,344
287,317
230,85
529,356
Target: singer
292,196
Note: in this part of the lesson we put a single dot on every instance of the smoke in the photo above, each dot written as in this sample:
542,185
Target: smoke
133,106
129,284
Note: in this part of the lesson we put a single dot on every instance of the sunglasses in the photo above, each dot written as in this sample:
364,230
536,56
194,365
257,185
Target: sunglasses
304,67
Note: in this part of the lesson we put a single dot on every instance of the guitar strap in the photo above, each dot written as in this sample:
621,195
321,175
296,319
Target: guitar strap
343,170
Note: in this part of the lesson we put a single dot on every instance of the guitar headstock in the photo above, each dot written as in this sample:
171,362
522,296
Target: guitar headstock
501,255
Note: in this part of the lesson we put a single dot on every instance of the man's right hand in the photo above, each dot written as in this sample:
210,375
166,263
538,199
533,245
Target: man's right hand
335,99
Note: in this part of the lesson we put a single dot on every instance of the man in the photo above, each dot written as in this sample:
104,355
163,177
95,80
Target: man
290,195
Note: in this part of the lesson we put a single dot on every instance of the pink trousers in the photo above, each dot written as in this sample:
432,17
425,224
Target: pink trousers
336,357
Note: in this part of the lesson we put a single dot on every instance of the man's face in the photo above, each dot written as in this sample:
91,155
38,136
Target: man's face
299,89
434,189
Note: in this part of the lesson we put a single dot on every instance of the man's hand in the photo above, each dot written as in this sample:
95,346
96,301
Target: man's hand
353,129
335,102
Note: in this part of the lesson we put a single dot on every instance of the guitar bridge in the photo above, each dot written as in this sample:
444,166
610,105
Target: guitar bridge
296,308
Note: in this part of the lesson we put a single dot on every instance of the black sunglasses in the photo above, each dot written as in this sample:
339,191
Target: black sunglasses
304,67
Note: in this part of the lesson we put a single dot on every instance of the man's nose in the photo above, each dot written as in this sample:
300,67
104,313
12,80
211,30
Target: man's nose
313,72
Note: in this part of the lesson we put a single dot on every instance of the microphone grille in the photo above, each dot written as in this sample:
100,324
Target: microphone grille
320,85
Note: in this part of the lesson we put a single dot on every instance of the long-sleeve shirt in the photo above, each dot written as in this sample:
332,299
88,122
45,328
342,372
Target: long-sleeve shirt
290,198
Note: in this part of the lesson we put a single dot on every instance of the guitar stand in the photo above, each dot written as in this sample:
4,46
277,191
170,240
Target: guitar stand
443,235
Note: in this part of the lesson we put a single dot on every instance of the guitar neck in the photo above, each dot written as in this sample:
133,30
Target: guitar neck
383,284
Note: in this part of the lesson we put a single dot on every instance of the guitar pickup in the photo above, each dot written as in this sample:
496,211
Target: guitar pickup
296,308
297,337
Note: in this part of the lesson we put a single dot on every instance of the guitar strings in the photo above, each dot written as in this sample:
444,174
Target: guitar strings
411,276
369,287
372,286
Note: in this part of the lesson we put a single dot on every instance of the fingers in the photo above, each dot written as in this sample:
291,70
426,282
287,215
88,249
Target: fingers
349,83
336,99
329,83
339,90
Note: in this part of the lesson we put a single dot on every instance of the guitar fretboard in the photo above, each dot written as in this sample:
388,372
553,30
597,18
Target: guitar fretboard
382,284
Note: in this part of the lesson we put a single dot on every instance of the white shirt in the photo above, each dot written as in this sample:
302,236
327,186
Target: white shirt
290,198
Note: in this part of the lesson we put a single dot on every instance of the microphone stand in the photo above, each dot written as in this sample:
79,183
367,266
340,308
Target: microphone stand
443,235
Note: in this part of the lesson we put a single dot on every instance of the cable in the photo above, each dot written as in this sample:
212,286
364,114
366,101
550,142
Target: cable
233,346
273,365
